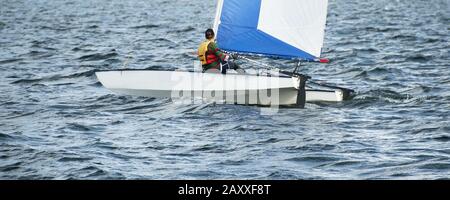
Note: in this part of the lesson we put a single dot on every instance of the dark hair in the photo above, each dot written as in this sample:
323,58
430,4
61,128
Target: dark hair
209,32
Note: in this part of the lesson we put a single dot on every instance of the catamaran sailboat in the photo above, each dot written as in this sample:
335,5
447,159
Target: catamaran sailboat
287,29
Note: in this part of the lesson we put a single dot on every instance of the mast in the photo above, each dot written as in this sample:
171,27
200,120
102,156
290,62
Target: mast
218,15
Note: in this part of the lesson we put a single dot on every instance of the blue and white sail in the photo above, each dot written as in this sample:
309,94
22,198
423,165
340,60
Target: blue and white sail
281,28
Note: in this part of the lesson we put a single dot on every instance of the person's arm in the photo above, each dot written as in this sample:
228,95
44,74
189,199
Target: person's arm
213,48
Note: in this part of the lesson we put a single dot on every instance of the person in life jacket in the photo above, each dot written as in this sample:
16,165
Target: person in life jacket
211,57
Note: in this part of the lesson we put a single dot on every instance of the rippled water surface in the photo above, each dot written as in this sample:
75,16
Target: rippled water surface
58,122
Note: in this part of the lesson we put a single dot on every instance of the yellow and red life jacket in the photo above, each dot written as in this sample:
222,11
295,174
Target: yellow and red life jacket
205,55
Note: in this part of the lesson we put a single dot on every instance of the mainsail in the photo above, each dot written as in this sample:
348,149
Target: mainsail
291,29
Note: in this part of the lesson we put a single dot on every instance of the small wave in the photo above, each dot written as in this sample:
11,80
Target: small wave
117,122
180,154
345,163
148,26
246,128
233,162
41,43
184,30
9,103
98,56
424,130
442,138
404,37
74,159
313,159
19,114
52,78
38,54
207,147
422,90
5,136
112,61
196,108
365,62
78,127
82,48
164,43
56,28
419,58
436,166
10,167
432,40
282,176
379,70
354,70
392,57
315,147
13,60
94,172
105,97
381,29
89,168
161,40
157,148
363,74
93,27
55,77
135,108
271,141
120,156
105,145
367,50
402,174
64,106
77,49
13,76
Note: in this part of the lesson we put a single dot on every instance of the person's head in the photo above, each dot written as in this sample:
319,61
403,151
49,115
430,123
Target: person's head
209,34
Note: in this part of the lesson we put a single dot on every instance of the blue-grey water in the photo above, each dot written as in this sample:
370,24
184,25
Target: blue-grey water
58,122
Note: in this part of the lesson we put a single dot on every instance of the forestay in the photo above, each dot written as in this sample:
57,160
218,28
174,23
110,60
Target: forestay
281,28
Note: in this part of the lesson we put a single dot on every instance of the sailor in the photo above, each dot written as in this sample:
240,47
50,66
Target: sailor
212,58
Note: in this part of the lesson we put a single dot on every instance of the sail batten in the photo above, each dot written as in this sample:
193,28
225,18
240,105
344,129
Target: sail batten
280,28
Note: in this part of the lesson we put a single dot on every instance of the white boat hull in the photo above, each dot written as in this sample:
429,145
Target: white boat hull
196,87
